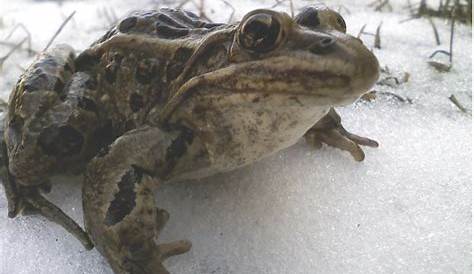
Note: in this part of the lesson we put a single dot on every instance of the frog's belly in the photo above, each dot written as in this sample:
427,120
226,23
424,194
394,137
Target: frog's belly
242,135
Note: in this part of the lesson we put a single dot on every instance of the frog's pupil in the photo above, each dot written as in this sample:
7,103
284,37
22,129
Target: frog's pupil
256,29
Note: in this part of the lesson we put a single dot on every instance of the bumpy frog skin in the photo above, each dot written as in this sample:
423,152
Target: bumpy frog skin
164,96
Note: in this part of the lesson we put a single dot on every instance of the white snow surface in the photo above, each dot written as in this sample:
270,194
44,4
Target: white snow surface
405,209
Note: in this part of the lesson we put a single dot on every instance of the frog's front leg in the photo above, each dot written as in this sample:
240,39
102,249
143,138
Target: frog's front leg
119,207
330,131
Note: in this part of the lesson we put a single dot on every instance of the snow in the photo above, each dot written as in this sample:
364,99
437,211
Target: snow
405,209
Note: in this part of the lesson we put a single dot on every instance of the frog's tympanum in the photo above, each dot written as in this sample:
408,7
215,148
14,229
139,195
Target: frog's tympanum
165,96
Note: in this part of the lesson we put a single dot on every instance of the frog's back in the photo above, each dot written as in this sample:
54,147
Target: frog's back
137,60
66,108
164,23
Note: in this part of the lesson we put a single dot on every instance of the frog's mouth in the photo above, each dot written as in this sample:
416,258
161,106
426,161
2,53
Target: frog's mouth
333,80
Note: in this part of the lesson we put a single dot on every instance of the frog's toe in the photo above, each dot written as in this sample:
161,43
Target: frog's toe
170,249
173,248
335,139
330,131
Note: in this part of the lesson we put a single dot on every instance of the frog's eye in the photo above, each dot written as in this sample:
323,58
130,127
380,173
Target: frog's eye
260,33
309,17
340,21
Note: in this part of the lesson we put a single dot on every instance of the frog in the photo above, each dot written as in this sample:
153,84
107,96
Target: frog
165,96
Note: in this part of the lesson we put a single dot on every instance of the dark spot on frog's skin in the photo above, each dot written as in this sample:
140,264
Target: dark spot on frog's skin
178,147
169,32
191,14
136,102
86,61
124,200
59,86
104,135
37,80
91,83
127,24
169,9
106,36
87,104
137,251
256,100
61,141
170,21
47,63
176,65
189,19
308,17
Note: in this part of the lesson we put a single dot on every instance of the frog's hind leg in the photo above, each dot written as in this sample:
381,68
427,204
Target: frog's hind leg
330,131
119,207
39,90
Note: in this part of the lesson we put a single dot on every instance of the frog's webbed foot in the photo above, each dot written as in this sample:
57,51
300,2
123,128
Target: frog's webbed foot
330,131
119,205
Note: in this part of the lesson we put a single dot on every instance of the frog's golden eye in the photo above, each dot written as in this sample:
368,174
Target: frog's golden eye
260,33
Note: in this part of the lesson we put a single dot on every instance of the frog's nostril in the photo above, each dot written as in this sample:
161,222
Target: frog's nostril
324,45
326,42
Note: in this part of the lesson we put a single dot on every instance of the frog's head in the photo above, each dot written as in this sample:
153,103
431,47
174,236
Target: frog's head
308,55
